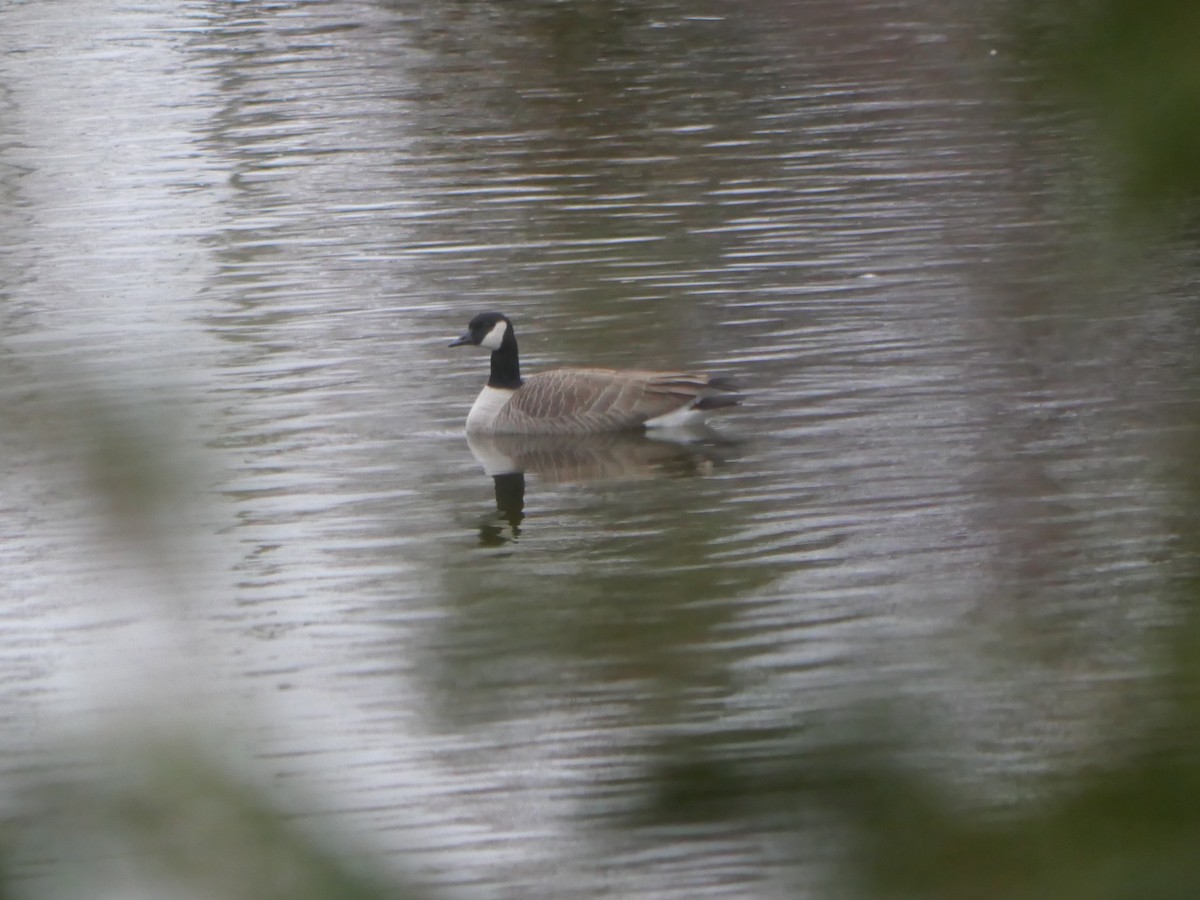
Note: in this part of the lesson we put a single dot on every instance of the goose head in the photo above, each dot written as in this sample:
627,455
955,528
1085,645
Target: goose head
487,330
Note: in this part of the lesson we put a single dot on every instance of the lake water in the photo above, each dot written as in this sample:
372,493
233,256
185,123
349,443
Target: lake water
235,497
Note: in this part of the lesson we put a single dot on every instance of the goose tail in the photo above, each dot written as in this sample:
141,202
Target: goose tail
730,394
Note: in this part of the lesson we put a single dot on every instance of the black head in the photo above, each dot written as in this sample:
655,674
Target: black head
487,329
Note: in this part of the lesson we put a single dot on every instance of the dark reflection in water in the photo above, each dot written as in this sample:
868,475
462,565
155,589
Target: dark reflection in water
582,459
558,459
957,479
510,504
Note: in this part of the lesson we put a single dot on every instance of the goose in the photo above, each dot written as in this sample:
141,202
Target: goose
581,401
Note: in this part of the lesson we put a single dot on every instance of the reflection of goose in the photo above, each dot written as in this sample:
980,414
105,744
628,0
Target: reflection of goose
579,458
559,459
581,401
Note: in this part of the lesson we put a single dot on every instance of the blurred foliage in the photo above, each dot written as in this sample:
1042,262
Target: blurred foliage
161,817
1132,68
1125,832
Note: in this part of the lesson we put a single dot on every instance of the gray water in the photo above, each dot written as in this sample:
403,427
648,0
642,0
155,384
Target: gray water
235,496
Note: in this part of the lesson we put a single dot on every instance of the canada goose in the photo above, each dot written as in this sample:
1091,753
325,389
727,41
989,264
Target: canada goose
581,401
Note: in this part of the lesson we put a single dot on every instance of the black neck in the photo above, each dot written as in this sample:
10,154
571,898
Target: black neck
506,367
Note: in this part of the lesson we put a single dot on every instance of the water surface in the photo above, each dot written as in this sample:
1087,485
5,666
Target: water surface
237,239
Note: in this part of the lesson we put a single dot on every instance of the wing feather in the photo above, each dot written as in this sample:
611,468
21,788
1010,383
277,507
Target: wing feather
567,401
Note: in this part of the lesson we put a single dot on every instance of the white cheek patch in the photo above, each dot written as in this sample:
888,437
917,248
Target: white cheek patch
496,336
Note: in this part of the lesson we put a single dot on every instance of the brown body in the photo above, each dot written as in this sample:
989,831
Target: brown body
587,401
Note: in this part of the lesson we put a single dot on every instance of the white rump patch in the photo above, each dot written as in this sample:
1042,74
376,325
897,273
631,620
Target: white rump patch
679,418
496,336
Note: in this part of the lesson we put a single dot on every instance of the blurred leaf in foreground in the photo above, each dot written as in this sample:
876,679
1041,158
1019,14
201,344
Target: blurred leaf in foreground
1125,830
162,823
1132,67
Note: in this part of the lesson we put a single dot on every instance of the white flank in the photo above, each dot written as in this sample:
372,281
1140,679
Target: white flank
482,417
496,336
677,418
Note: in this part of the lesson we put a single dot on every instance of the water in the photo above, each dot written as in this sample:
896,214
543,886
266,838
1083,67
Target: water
237,239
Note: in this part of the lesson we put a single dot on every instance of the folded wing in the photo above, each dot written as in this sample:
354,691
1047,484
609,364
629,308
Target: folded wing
579,401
